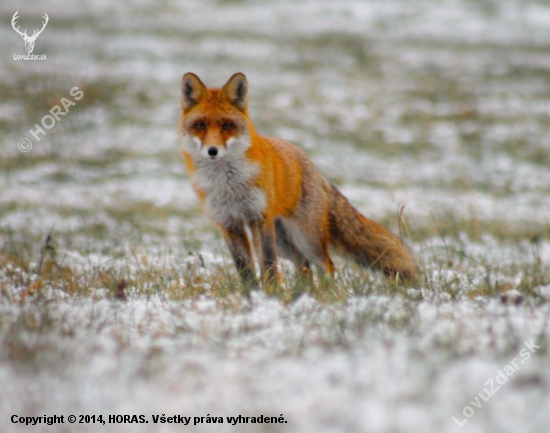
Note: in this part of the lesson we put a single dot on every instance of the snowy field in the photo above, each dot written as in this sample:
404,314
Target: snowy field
118,297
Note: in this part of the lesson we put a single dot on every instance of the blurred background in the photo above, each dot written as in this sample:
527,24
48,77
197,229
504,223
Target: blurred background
440,106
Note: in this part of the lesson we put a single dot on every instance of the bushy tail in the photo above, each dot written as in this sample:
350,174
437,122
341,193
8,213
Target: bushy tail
367,242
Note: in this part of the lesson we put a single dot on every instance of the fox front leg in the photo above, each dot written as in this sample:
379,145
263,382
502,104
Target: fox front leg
239,247
265,230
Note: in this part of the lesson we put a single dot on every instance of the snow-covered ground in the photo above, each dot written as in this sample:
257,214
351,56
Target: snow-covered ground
378,363
438,106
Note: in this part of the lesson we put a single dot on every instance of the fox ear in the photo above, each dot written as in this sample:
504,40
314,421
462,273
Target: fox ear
192,90
236,90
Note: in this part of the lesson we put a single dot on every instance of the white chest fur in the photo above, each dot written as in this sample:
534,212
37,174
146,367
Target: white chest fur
230,195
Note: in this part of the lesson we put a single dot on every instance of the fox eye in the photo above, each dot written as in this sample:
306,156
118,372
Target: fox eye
227,126
200,126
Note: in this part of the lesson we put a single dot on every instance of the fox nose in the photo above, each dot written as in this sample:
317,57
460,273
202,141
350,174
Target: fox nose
213,151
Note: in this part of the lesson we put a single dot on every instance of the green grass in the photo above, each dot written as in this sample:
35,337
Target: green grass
130,233
34,267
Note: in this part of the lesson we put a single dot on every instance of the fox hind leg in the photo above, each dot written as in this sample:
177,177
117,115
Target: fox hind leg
288,249
307,244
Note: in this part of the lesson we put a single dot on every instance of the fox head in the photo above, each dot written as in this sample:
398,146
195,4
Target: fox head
214,124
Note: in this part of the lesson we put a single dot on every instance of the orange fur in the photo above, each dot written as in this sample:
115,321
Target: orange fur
244,179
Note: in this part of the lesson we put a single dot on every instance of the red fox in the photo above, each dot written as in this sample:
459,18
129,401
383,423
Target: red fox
245,180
